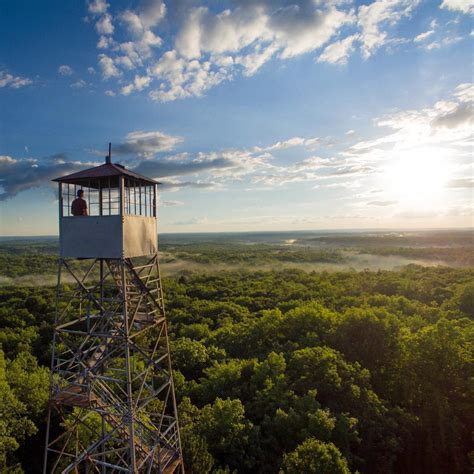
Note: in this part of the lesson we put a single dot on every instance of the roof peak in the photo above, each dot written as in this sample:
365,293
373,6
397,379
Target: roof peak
106,170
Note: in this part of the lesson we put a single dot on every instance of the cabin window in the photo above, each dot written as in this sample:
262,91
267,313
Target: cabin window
103,197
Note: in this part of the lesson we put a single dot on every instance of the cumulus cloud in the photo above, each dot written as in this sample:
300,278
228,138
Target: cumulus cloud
97,7
104,25
464,6
14,82
212,46
209,46
139,83
65,70
180,78
107,66
147,144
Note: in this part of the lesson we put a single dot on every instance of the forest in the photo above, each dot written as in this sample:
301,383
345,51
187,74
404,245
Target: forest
286,371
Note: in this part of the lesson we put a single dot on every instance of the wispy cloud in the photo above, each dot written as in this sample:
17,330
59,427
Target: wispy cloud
423,36
147,144
339,51
445,125
467,183
374,18
381,203
17,175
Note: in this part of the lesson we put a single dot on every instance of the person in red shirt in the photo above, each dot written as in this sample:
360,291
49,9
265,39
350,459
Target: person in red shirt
79,205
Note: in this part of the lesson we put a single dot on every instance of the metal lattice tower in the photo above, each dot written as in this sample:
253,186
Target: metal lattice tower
112,403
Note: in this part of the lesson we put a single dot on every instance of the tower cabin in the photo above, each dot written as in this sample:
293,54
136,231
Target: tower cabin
121,213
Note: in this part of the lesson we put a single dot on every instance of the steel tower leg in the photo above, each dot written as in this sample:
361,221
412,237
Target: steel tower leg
112,403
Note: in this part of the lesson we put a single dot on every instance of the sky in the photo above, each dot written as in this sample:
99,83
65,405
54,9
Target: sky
254,114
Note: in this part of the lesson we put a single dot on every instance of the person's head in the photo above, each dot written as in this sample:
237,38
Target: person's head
80,193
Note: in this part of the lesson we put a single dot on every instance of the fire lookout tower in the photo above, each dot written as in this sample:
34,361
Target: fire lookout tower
112,387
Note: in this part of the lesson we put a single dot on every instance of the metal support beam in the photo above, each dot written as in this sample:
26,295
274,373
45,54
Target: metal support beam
105,370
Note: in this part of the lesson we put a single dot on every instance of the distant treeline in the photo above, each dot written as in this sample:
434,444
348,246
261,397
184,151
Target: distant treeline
461,238
255,253
456,256
286,371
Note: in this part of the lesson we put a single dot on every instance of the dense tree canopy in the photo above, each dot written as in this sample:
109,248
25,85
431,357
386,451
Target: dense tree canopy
286,371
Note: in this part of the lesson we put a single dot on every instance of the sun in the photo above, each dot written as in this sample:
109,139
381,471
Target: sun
418,176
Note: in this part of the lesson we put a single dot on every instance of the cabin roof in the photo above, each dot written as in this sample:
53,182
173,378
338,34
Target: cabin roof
106,170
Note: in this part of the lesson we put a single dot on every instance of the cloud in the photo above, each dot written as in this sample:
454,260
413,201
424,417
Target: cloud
449,40
372,17
382,203
175,185
108,67
459,115
171,203
464,6
423,36
207,46
14,82
110,93
139,83
97,7
65,70
292,142
161,167
419,214
211,46
192,221
339,51
105,28
461,183
465,92
79,84
446,123
104,25
18,175
180,78
147,144
443,129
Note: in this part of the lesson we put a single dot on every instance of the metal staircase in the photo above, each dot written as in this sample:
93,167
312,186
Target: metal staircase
112,383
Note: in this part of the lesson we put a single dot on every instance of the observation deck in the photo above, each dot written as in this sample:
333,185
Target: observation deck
121,213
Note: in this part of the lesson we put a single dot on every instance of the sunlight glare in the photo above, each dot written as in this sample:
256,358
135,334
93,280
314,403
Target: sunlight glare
418,176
